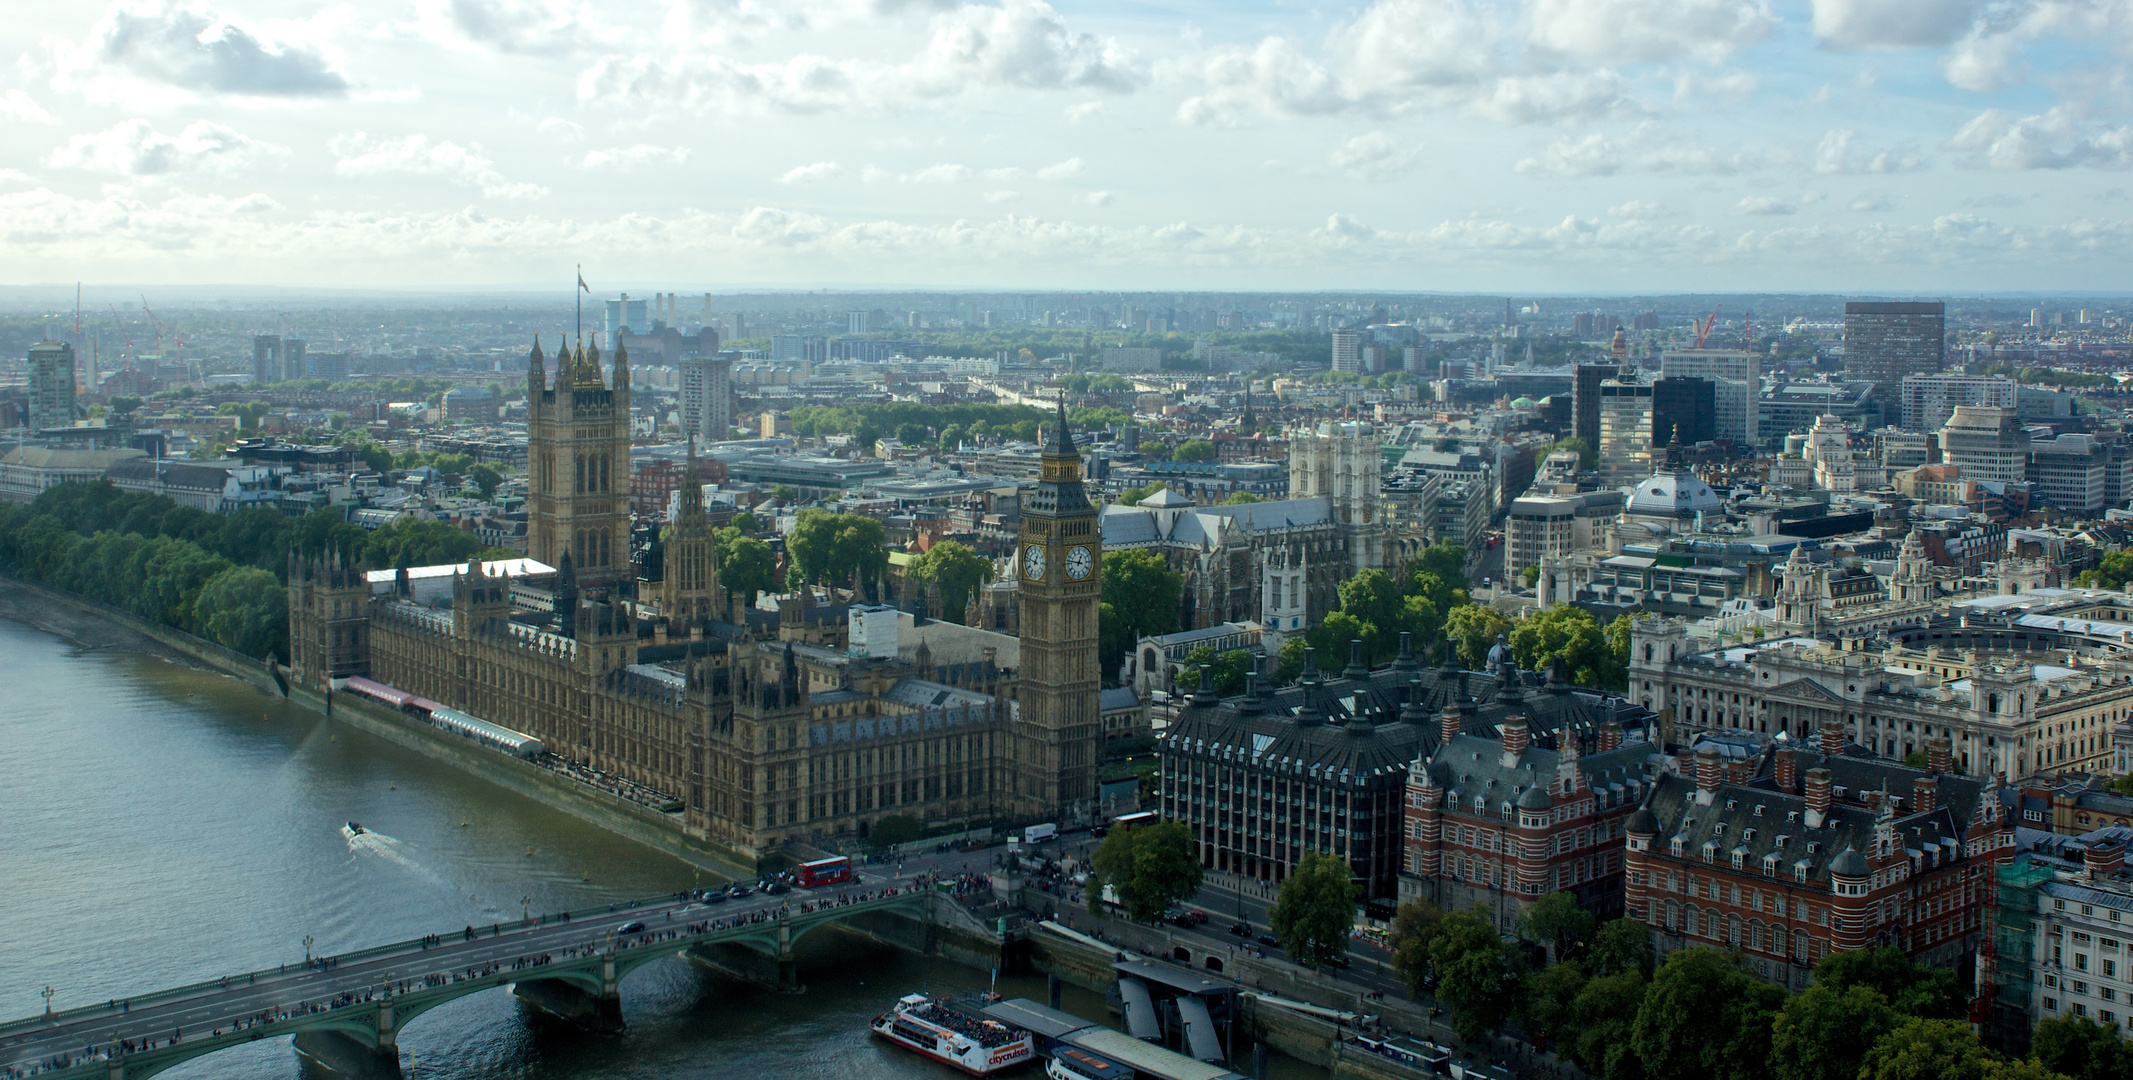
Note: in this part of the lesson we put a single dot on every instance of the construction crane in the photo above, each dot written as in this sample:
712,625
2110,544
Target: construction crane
1703,330
157,322
124,333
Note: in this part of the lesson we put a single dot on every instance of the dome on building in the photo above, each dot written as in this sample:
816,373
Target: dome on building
1523,403
1849,863
1535,798
1643,821
1674,493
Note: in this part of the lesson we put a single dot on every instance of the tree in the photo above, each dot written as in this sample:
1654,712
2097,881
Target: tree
1139,599
1133,495
1149,867
956,570
1912,989
1372,597
951,437
1315,910
1705,1019
1530,575
893,830
1569,636
246,609
845,549
124,405
417,542
911,434
1194,450
1241,498
1473,630
1548,998
1556,922
1226,672
375,458
2081,1048
1921,1049
1587,459
1477,978
746,566
1622,945
1414,926
1824,1033
485,477
1605,1016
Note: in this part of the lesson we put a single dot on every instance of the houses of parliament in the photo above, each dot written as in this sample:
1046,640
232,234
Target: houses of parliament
763,738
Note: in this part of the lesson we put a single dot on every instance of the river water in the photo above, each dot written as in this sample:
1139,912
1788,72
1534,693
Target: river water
160,825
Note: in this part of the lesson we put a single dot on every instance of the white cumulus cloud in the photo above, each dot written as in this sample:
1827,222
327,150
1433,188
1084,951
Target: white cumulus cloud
1634,31
1063,170
1836,154
634,157
19,107
192,49
1893,24
2054,139
361,154
1372,156
811,174
135,148
1763,205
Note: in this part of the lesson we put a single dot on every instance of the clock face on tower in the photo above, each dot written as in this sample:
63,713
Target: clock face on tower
1079,562
1033,563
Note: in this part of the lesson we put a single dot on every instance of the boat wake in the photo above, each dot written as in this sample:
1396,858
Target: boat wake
379,845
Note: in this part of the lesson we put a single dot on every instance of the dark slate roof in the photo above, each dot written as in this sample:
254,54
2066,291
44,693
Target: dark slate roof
1753,817
1473,766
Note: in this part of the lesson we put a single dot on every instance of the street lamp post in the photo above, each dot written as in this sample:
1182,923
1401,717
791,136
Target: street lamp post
47,993
307,949
525,908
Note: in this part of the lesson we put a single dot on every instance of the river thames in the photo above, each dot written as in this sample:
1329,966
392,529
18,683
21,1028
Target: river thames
160,824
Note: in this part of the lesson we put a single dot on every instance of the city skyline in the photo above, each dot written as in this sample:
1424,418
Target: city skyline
1409,145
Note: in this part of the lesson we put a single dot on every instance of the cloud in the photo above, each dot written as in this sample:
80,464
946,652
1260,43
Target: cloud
1372,156
361,154
558,127
1873,204
1084,112
634,157
2054,139
17,106
1835,154
1001,196
1004,172
135,148
1893,24
1763,205
811,174
948,173
1636,210
511,27
1017,44
195,50
1645,31
1064,170
1592,155
1100,198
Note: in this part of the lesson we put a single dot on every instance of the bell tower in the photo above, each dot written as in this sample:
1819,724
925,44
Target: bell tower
1058,561
690,575
578,465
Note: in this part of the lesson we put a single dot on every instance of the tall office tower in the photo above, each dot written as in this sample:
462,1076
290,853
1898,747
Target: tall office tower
1625,446
1986,443
1059,555
1929,400
292,359
266,359
1585,401
51,388
1736,382
624,314
707,394
1883,342
1347,350
1682,409
1581,324
1509,320
578,465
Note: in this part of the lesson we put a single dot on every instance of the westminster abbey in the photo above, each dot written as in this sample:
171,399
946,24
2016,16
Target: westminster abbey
762,738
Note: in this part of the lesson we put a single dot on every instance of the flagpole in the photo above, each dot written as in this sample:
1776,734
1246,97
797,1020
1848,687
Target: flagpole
577,293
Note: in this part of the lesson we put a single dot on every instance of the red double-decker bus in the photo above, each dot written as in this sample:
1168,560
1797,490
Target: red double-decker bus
832,871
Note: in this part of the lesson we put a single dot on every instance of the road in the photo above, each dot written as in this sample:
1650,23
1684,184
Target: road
262,1000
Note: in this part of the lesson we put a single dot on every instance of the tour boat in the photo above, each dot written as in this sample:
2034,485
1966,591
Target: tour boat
957,1037
352,830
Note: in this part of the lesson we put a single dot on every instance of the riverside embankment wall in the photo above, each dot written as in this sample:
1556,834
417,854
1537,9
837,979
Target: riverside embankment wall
633,821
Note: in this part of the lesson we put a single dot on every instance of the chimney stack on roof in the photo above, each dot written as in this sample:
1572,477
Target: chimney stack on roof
1516,738
1710,773
1818,795
1788,770
1610,736
1450,723
1925,792
1832,737
1941,754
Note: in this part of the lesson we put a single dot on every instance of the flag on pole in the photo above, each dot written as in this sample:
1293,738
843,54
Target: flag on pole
581,282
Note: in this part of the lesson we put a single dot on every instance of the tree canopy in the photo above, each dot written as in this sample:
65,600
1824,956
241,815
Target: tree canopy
957,571
1139,599
1149,867
1315,909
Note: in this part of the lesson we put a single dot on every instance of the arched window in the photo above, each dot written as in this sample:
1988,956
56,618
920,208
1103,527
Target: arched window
1689,924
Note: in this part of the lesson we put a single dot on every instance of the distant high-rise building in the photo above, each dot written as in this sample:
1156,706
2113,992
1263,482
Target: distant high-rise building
625,314
292,359
1625,446
1928,400
266,358
1374,359
1581,324
1682,409
1585,401
1736,380
1645,320
811,348
1883,342
51,388
1347,350
1509,320
707,395
1987,443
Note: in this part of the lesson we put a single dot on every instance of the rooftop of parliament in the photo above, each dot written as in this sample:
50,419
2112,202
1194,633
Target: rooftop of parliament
761,731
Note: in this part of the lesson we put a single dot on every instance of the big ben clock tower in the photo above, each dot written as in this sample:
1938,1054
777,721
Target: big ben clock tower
1059,557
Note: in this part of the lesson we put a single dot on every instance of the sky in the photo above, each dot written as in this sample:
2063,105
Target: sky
1886,146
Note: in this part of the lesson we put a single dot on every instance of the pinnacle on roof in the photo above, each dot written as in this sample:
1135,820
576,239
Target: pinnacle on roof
1062,442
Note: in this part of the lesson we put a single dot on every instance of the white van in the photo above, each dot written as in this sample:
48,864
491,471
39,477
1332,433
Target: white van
1037,834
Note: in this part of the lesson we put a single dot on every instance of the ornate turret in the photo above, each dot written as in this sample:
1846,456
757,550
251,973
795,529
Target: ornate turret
536,370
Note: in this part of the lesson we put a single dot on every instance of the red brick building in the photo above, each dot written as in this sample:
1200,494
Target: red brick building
1800,851
653,482
1499,821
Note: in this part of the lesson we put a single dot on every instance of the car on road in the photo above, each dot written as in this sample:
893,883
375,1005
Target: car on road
1270,941
775,888
1197,916
1179,918
1241,929
738,891
714,896
630,927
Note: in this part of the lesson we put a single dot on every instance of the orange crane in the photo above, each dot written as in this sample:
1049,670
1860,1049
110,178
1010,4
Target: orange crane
124,333
158,324
1703,331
